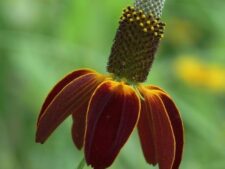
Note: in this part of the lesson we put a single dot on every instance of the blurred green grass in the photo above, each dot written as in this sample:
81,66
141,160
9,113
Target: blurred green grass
41,41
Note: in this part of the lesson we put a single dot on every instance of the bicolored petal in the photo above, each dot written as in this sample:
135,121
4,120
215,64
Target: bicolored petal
176,122
70,99
112,115
60,85
79,119
78,126
146,133
155,131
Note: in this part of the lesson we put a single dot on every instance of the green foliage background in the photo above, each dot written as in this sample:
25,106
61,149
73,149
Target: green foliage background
42,40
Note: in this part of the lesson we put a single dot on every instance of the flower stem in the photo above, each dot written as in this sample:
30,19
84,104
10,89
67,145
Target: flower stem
81,164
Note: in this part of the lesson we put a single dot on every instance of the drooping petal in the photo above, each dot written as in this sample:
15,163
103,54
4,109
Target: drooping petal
112,115
152,87
70,99
162,140
146,133
176,122
60,85
78,126
79,121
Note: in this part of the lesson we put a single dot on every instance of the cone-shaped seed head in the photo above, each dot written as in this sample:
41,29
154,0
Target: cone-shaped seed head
135,44
153,7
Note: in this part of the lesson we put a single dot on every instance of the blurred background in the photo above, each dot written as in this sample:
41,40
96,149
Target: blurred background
42,40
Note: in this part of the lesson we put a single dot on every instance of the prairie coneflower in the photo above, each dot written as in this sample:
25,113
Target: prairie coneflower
106,108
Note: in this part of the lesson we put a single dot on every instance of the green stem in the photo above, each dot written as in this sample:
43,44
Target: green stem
81,164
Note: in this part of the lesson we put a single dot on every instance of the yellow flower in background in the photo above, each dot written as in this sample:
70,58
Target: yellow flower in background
196,73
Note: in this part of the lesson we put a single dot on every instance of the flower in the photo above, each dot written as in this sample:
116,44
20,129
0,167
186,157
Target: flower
107,108
199,74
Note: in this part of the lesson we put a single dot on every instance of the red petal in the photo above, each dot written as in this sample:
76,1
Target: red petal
78,127
162,146
176,122
70,99
154,88
60,85
145,131
79,120
112,115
